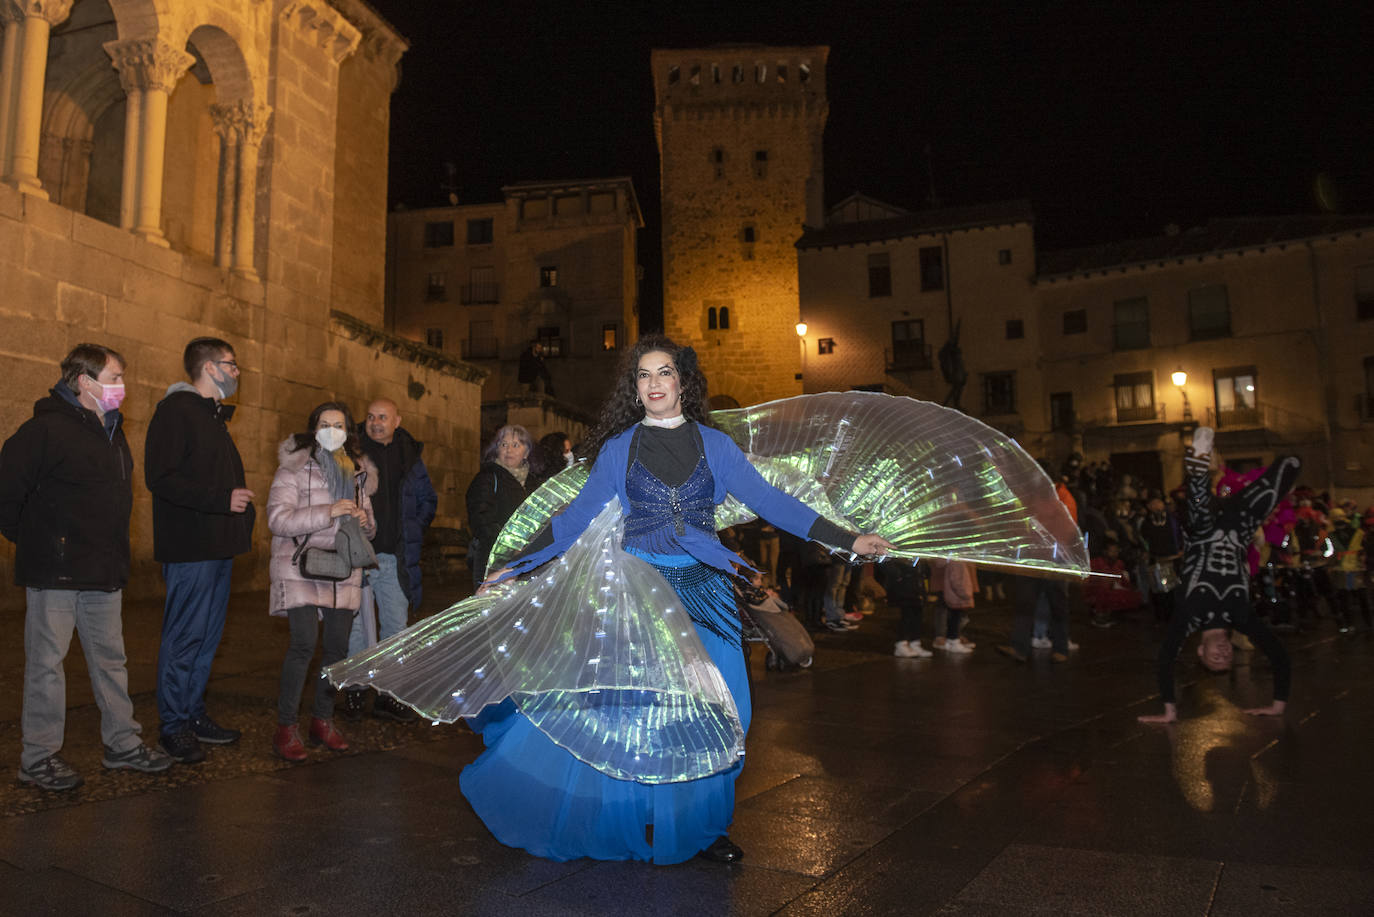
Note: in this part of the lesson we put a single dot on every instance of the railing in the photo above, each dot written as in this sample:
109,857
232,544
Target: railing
908,356
1139,413
1265,416
480,293
481,349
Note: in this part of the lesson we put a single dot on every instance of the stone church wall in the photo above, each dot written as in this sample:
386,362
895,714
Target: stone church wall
70,278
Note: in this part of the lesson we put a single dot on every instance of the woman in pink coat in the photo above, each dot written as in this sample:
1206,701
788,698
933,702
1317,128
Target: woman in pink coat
323,477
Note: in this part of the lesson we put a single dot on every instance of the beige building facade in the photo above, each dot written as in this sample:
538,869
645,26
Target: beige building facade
554,262
739,132
883,290
211,168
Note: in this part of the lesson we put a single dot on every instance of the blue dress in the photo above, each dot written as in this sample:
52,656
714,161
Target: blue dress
533,794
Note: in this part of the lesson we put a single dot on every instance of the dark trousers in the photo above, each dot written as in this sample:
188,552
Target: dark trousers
913,614
1029,589
305,628
192,624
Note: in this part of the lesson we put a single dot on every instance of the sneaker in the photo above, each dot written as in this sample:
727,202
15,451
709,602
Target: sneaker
388,709
838,627
140,758
958,647
211,733
911,649
1073,647
1040,643
183,747
965,641
52,773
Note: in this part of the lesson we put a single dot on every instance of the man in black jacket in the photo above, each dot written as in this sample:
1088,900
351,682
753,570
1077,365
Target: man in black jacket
404,506
202,517
65,499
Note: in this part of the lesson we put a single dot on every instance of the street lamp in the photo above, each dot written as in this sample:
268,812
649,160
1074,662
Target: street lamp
801,340
1180,380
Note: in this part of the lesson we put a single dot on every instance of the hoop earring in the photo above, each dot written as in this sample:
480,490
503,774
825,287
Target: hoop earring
637,401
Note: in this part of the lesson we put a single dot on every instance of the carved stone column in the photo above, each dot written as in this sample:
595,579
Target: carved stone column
253,118
225,119
21,159
13,24
150,69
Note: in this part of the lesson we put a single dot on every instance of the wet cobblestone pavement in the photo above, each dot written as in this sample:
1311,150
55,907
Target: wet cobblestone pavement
874,785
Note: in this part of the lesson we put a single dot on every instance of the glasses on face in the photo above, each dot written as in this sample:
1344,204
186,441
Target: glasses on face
232,364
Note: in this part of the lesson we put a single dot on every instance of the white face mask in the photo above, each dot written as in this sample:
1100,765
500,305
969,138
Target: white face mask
330,438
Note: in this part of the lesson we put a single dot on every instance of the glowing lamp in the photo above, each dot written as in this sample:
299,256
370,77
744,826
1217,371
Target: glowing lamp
1180,378
801,329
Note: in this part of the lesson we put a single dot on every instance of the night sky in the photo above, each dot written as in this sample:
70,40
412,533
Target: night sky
1113,120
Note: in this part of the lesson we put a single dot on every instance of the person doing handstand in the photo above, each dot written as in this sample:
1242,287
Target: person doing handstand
1216,585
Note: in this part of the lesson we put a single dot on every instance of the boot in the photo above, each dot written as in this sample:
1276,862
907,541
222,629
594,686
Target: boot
287,744
322,732
354,700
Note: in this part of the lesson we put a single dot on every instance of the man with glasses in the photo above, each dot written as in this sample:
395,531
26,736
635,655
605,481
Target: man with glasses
65,499
202,516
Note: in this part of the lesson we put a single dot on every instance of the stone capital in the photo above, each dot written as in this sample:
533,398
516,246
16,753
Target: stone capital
322,25
148,63
224,119
54,11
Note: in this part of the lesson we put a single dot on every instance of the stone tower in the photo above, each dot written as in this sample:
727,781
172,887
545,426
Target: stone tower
739,139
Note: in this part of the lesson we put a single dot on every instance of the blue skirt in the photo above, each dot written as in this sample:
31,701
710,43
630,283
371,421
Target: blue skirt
533,794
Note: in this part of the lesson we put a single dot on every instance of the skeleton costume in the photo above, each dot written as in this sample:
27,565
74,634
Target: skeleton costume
1216,581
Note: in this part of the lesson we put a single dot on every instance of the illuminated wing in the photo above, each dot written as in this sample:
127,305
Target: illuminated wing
933,481
594,649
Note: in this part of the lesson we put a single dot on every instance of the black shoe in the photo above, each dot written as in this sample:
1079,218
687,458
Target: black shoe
388,709
183,747
722,850
211,733
354,702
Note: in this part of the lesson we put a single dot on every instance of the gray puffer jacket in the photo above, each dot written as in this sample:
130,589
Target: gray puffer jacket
298,509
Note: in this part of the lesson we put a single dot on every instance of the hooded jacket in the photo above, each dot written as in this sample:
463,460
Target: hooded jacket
191,467
65,496
298,513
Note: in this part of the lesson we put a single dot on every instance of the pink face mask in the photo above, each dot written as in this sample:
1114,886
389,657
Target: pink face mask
111,396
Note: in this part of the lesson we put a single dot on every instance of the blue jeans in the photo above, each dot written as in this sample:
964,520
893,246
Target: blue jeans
192,624
1028,593
50,617
392,605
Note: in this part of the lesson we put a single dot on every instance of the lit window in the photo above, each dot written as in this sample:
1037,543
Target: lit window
1237,393
548,276
552,341
825,346
608,337
1135,396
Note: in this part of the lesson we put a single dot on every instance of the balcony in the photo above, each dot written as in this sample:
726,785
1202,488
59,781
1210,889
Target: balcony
481,349
907,356
476,294
1140,414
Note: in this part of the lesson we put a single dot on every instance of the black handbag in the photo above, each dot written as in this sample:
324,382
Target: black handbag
321,564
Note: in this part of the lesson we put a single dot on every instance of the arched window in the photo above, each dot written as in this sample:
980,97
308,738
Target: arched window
724,318
711,318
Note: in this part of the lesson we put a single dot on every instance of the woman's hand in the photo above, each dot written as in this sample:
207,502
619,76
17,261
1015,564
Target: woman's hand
491,580
871,545
346,508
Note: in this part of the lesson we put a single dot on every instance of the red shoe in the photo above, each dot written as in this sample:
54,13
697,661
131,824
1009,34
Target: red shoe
322,732
287,744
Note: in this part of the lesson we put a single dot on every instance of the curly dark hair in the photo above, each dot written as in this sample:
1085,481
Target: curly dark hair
622,410
353,446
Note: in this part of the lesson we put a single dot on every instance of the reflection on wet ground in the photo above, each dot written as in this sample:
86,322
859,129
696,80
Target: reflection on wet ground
873,785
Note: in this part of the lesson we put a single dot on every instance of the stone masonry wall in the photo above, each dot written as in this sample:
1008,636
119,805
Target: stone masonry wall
69,278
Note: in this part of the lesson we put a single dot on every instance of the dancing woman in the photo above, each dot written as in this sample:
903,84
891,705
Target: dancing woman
654,450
